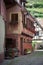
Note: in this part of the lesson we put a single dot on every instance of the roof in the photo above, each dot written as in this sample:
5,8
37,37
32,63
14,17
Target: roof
39,24
10,3
40,20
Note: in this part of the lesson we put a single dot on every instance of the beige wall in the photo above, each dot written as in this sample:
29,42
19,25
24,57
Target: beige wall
17,29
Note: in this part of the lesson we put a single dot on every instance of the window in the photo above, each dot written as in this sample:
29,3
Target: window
14,18
24,22
37,33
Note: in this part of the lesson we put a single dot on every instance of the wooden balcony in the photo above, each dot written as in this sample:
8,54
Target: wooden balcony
31,28
13,23
28,32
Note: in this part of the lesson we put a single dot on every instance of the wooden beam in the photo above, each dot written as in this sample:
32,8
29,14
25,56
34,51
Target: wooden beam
9,3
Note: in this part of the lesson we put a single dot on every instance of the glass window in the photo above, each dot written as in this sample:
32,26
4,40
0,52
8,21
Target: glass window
14,18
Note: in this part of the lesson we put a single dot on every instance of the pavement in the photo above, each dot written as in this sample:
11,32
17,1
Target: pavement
35,58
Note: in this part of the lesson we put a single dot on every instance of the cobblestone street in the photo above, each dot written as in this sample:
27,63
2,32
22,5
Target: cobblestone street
31,59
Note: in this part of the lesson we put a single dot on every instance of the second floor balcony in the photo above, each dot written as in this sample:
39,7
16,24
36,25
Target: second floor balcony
29,25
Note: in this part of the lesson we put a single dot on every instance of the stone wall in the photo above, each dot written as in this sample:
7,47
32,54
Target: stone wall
2,38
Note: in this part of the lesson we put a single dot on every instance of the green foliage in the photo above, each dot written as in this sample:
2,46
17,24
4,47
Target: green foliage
33,43
35,7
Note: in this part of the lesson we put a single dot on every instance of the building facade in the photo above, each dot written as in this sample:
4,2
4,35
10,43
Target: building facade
19,25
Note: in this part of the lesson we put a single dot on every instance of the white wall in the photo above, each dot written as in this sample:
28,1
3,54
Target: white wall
18,1
2,34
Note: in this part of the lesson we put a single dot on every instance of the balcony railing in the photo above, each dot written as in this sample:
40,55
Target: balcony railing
29,27
13,23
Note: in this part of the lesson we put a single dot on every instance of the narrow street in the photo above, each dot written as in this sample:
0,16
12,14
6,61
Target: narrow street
35,58
21,32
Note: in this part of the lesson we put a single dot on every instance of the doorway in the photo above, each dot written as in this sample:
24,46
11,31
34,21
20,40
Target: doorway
10,45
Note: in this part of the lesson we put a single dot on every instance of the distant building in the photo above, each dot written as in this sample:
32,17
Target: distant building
38,38
40,20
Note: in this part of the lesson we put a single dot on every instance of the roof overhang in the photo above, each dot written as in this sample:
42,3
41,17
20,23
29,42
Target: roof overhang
10,3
